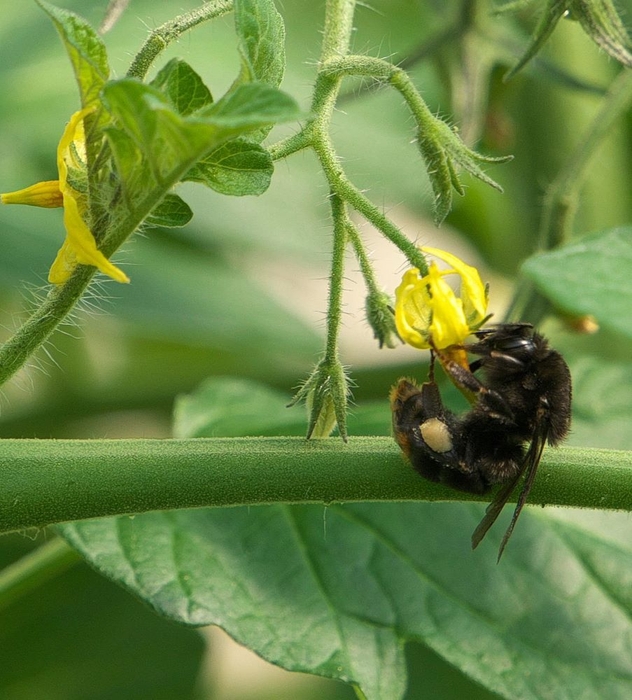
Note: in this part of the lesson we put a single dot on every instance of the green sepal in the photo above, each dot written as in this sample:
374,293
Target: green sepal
442,151
326,394
601,21
553,12
598,18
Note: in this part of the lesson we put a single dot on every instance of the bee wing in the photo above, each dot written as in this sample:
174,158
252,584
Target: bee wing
530,467
534,454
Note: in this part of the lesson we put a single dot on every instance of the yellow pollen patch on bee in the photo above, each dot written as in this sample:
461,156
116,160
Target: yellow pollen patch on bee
436,435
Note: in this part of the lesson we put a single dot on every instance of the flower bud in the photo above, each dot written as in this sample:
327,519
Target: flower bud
381,318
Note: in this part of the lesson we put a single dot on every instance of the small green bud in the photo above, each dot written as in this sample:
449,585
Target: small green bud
325,393
381,318
444,152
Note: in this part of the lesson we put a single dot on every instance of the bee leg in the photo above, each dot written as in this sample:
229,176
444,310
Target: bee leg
441,451
488,399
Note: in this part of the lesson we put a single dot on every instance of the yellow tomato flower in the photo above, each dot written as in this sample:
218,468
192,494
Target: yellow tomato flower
428,313
80,246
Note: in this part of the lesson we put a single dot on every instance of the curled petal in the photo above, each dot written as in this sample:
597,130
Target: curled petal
412,310
79,247
73,136
473,291
448,325
428,313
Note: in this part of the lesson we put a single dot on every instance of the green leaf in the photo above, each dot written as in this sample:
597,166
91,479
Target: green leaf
251,106
239,167
139,108
172,212
274,578
168,140
590,276
86,51
223,406
261,32
183,86
337,591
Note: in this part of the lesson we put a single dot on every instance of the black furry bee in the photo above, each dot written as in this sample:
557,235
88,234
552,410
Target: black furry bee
522,402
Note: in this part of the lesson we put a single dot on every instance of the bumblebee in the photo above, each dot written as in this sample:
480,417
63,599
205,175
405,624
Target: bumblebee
522,401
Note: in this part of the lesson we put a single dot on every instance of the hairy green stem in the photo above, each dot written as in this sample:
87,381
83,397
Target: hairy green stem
352,195
51,481
336,279
34,569
59,302
162,36
366,268
334,65
61,299
338,29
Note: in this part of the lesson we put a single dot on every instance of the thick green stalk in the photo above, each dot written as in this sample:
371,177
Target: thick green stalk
52,481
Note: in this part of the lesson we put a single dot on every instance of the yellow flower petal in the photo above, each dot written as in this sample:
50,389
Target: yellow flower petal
80,246
473,291
73,134
41,194
428,313
448,325
412,312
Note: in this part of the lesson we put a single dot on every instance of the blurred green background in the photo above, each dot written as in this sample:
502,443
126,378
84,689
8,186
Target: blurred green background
241,292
